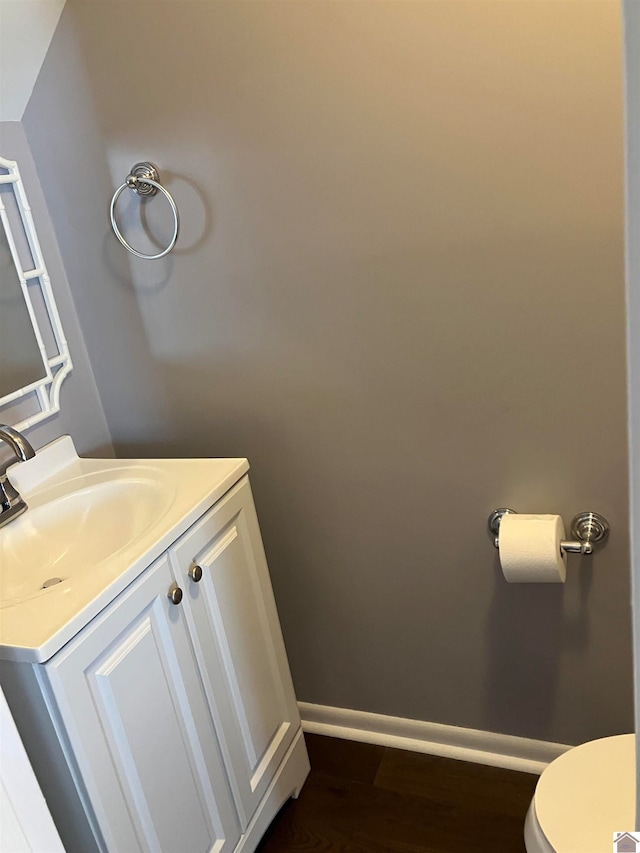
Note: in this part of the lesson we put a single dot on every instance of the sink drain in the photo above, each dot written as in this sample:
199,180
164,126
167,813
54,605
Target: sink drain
51,582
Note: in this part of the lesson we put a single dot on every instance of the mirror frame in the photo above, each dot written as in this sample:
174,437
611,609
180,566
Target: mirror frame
45,392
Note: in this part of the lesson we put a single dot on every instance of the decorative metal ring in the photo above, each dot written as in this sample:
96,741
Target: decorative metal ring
116,230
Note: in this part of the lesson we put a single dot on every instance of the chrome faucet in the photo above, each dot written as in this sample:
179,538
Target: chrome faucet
11,504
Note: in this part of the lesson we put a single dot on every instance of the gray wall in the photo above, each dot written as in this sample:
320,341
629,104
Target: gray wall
81,414
399,290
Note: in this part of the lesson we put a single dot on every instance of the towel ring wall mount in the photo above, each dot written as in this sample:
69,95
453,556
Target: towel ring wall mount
144,180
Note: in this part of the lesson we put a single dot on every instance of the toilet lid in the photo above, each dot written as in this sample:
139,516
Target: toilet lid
587,794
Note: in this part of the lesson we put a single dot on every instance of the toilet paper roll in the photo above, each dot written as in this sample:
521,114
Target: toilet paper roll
530,548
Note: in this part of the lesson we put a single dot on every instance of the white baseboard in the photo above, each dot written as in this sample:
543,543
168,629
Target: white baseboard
508,751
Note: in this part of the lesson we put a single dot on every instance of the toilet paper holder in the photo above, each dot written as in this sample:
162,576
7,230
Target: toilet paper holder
587,528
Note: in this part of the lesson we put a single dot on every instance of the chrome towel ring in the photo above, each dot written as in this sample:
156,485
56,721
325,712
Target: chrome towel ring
145,181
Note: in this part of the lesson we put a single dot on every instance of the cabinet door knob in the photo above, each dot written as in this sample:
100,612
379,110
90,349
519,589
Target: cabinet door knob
175,594
195,573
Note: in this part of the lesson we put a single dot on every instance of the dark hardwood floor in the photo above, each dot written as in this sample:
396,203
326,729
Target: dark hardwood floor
361,798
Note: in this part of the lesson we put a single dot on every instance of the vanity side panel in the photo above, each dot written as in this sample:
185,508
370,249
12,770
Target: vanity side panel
37,720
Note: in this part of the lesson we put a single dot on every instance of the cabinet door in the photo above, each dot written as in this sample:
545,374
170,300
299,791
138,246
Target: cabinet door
239,645
132,705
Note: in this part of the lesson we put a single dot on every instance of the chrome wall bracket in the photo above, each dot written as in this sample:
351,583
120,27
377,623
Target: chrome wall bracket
587,529
139,177
494,522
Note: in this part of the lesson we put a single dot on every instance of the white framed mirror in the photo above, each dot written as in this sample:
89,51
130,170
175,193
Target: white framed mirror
34,356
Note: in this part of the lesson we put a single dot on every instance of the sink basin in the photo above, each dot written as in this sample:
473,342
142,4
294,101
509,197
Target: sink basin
91,528
67,530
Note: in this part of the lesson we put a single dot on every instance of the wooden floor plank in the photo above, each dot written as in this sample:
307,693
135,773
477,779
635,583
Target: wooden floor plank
376,800
458,783
348,759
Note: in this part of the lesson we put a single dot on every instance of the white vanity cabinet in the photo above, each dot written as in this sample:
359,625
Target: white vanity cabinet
169,724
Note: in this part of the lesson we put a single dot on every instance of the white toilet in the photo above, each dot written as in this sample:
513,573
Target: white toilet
583,797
